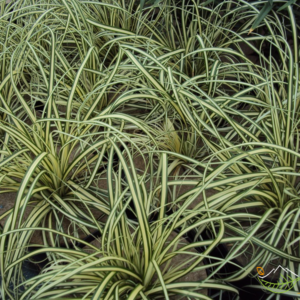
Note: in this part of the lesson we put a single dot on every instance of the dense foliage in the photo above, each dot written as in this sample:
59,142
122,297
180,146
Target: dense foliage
136,125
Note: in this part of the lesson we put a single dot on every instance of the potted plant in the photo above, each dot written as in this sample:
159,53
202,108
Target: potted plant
134,259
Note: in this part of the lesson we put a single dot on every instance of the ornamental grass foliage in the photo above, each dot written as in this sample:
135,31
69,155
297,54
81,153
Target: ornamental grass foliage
136,126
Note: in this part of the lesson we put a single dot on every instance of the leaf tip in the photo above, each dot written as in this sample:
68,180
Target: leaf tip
250,31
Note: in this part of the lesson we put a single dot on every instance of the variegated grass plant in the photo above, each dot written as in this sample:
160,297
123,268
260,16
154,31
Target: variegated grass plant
52,159
54,172
252,159
256,160
133,259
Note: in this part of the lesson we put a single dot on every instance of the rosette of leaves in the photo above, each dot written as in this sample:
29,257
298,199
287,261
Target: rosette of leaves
52,161
133,259
41,40
256,164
